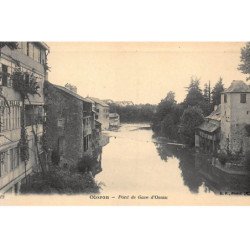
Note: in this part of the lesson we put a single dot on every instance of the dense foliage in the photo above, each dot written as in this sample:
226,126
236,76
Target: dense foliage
65,180
24,83
134,113
216,92
192,117
244,67
167,117
24,145
178,121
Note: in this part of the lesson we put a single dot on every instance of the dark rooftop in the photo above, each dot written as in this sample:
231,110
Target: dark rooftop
209,126
70,93
216,114
238,87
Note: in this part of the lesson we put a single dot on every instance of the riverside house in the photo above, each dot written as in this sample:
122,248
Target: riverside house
101,112
71,129
114,120
227,129
207,136
30,57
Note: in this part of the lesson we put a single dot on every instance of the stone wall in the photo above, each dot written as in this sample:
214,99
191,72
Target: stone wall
234,117
64,123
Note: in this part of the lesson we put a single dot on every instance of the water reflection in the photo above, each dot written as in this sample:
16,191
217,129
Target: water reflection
135,161
189,171
200,174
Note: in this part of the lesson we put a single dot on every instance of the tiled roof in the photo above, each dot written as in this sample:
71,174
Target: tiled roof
209,126
71,93
216,114
238,87
98,101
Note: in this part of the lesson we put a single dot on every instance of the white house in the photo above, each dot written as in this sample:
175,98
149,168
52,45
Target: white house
30,57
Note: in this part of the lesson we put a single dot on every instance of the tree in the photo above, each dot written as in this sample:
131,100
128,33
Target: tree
194,95
168,127
164,108
166,105
244,67
207,92
216,92
191,118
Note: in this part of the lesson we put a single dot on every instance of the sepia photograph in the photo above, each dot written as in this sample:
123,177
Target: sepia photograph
124,123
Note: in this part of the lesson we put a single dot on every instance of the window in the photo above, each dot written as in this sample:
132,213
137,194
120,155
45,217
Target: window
42,54
3,164
243,98
28,50
14,158
10,119
225,98
4,75
85,143
36,54
24,47
60,122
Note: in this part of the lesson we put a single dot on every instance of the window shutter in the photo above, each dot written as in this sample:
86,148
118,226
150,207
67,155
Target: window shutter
1,74
9,81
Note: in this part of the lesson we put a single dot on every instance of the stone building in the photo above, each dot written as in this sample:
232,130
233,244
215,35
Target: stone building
101,111
235,116
29,57
227,129
114,120
71,130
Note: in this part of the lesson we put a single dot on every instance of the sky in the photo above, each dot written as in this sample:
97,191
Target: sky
142,72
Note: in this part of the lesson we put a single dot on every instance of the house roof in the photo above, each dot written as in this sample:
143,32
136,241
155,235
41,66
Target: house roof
238,86
209,126
102,103
43,44
73,94
216,114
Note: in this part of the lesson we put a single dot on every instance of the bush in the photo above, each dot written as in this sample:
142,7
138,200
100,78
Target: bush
223,158
191,118
86,164
247,159
247,127
55,158
60,181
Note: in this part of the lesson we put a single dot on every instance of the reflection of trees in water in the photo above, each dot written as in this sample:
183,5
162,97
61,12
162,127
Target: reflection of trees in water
197,170
218,181
186,157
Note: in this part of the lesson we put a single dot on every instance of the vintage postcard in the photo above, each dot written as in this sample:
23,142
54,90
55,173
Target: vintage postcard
124,123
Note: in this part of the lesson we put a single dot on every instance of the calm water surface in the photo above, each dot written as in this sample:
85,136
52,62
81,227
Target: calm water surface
136,162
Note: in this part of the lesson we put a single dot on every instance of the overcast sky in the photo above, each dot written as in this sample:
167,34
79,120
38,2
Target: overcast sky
141,72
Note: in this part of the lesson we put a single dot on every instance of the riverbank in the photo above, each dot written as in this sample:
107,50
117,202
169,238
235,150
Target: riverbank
232,168
60,180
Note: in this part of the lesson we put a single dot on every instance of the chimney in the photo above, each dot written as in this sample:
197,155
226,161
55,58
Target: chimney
71,87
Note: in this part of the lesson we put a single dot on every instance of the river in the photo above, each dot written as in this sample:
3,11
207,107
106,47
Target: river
136,162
